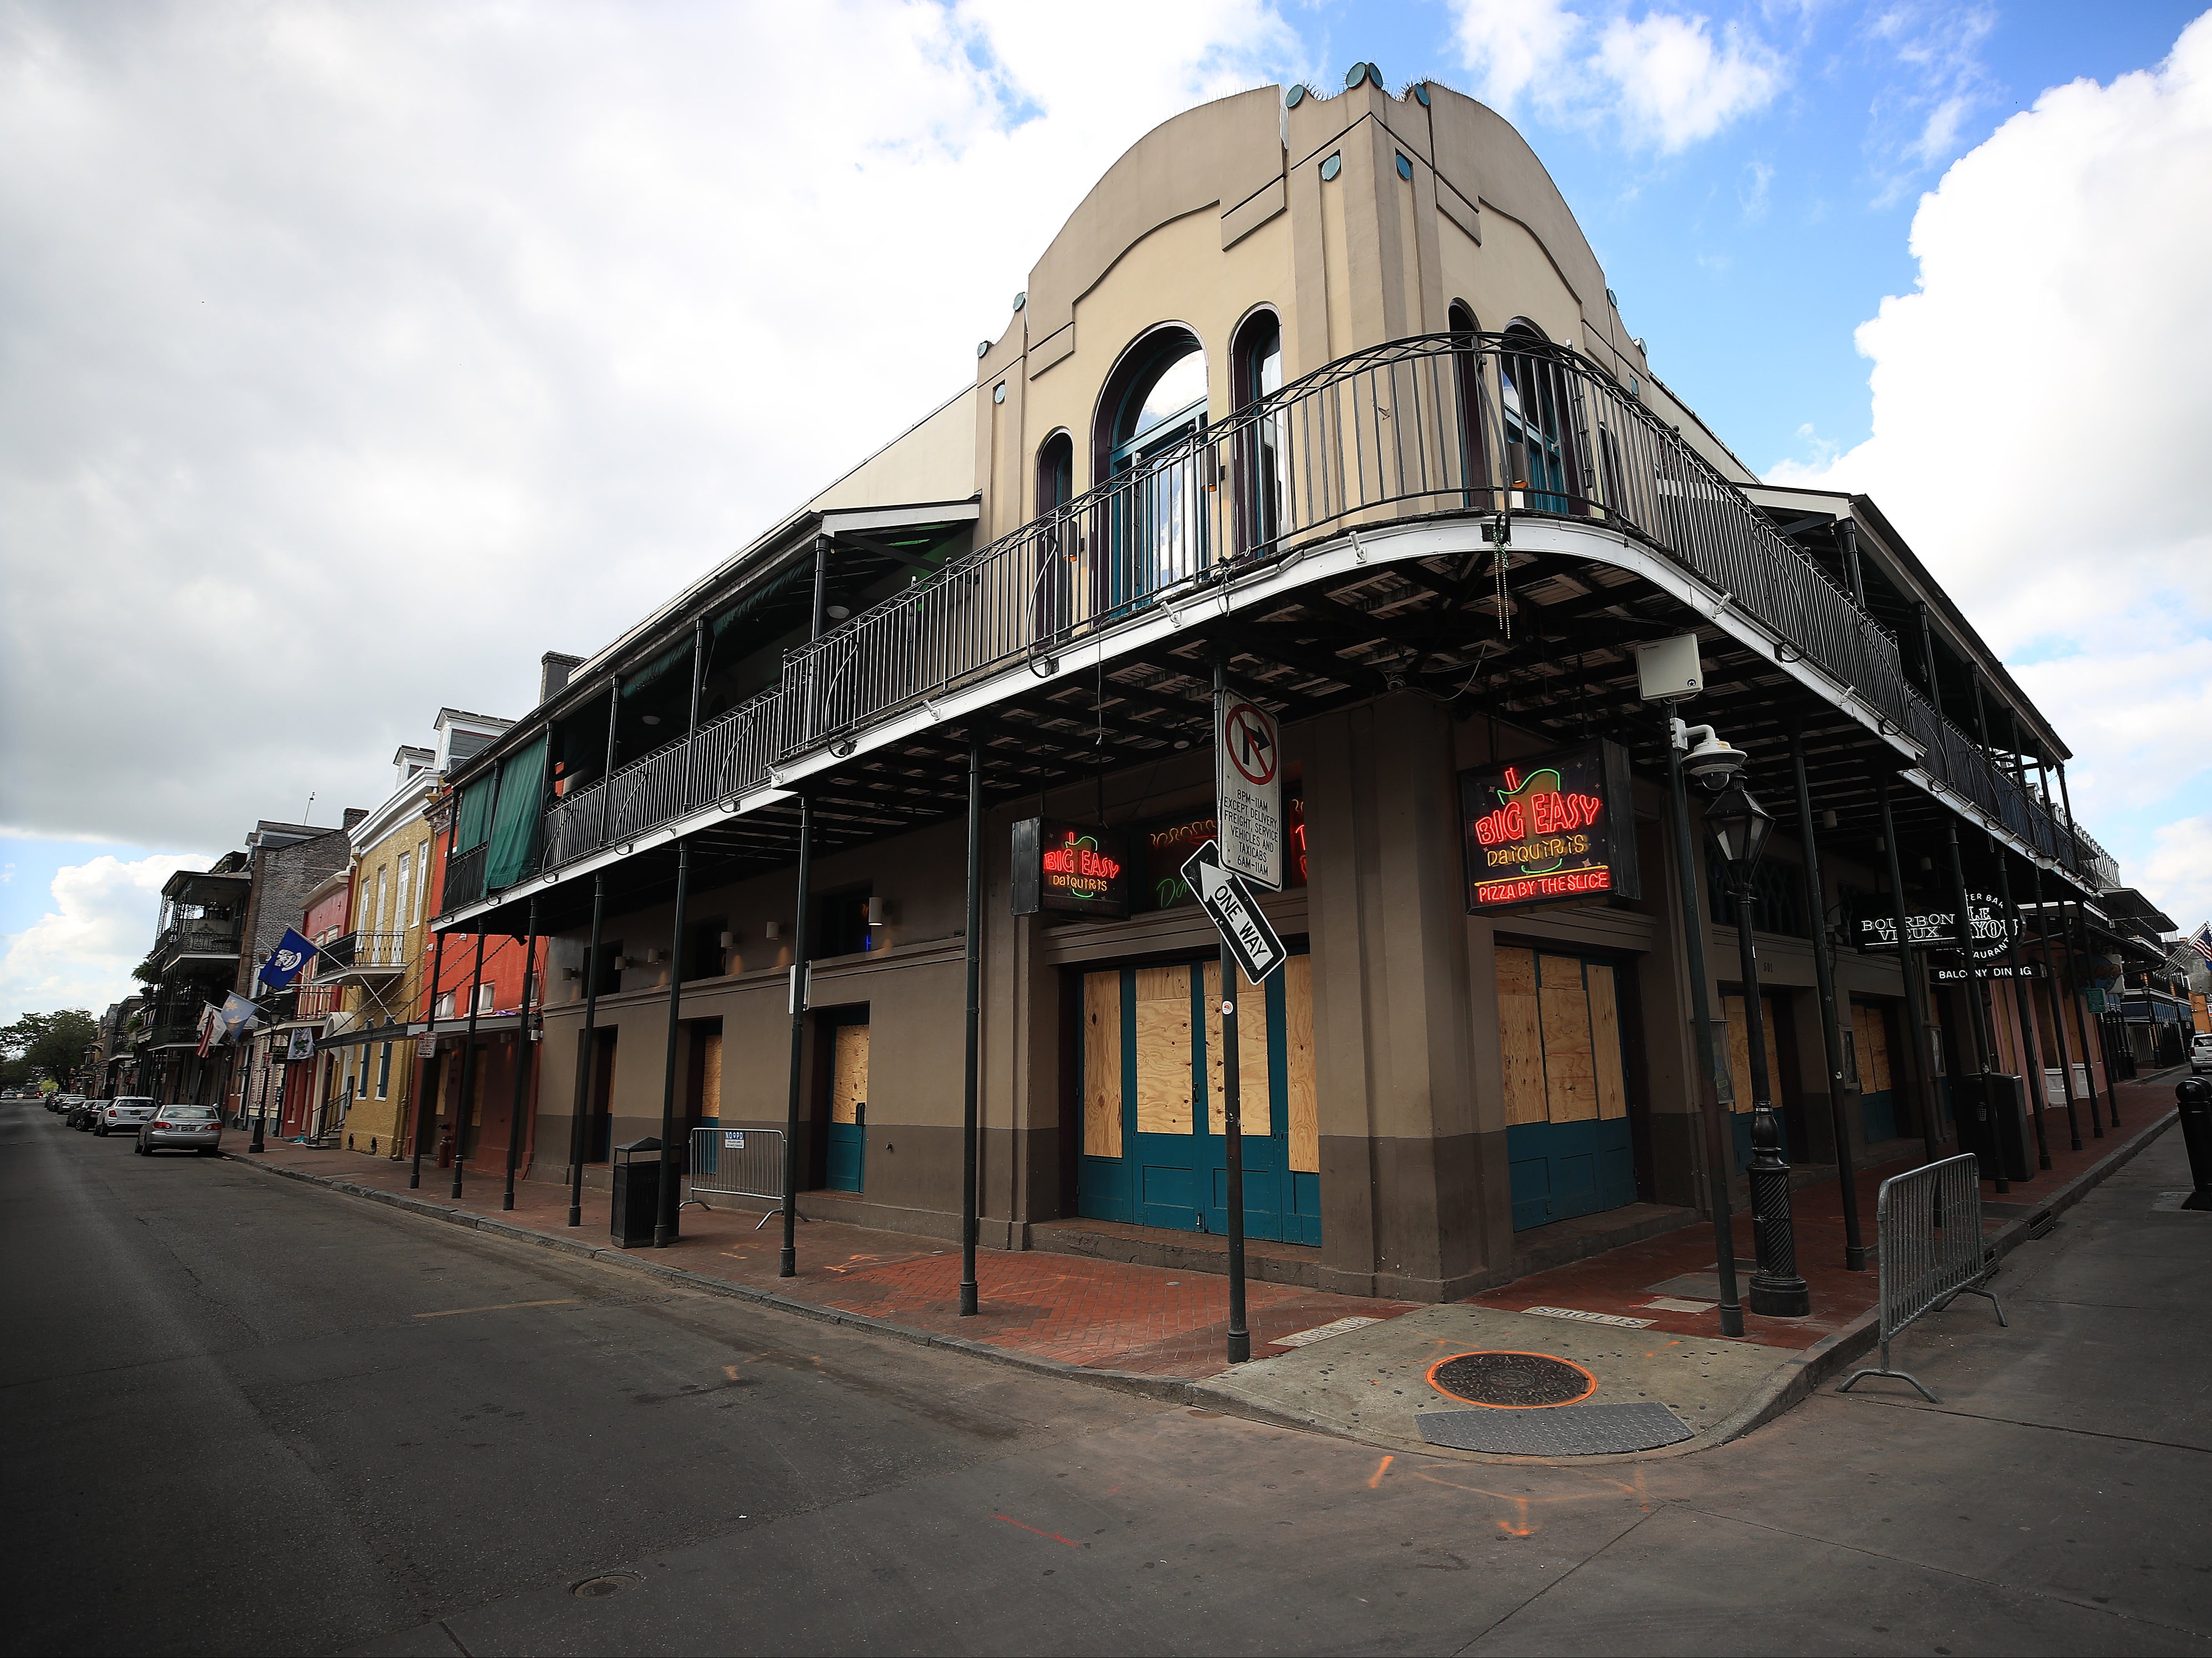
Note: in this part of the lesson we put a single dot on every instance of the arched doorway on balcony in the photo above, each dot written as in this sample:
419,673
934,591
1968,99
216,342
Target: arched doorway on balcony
1154,402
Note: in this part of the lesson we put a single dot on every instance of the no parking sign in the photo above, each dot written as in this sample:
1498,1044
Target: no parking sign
1247,787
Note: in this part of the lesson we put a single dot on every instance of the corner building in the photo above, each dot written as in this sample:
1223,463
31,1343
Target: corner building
1329,396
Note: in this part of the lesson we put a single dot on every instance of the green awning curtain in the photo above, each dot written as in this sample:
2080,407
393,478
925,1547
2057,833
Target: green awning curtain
516,817
474,822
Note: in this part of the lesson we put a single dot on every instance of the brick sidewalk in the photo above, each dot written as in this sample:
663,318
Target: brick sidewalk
1166,1322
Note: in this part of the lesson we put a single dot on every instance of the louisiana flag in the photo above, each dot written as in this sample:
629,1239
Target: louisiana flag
292,953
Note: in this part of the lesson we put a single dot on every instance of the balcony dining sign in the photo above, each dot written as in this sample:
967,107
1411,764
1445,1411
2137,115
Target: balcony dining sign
1070,869
1555,828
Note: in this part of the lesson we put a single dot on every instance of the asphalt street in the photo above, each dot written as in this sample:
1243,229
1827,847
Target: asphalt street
247,1415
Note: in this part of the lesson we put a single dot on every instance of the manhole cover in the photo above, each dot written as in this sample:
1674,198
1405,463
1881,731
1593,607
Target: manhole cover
1513,1382
613,1582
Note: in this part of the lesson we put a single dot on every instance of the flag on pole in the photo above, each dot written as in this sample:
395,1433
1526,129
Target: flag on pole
292,953
210,1026
240,1016
2200,940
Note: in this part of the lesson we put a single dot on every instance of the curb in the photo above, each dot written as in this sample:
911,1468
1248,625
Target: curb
1798,1379
1166,1390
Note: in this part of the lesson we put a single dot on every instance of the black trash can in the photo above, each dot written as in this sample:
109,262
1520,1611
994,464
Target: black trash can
1992,1115
637,1193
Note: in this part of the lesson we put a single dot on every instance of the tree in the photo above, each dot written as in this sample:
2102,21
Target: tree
54,1045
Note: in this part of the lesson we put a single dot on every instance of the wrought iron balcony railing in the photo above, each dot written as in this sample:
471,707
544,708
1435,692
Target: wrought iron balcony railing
1438,427
198,937
464,878
359,953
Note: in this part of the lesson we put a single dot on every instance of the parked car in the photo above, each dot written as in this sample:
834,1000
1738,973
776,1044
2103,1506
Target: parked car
63,1103
183,1128
125,1114
2200,1052
81,1114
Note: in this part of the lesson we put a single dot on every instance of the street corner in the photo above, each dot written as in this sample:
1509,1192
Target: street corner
1473,1383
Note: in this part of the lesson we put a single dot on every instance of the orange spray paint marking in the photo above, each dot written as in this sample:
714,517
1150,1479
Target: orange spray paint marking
1381,1469
1524,1529
1054,1535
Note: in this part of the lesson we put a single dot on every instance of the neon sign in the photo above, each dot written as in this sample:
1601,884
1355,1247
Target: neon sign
1543,830
1074,869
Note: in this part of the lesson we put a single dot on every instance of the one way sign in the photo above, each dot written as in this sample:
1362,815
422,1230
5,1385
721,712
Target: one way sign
1259,952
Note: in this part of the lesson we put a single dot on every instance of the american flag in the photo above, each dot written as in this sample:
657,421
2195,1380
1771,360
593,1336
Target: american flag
2200,940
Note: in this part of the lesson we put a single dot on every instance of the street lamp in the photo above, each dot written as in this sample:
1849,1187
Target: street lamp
1740,828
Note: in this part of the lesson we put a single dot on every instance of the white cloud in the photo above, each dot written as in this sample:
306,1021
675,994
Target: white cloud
2042,404
1676,86
350,358
79,953
1663,78
2178,874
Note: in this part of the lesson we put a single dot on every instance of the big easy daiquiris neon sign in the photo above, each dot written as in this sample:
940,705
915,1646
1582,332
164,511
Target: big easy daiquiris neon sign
1551,829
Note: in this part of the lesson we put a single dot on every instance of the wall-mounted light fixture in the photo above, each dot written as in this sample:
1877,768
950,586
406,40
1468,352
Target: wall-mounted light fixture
773,930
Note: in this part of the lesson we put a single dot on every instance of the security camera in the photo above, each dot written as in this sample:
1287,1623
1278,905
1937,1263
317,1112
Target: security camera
1711,762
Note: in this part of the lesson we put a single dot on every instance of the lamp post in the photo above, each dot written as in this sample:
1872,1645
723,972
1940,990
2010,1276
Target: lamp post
1740,828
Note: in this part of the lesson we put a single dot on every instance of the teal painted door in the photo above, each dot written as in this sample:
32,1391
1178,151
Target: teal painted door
1569,1147
1154,1150
849,1109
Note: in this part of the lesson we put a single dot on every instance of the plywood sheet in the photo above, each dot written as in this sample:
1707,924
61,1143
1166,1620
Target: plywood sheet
1873,1048
1740,1054
1164,1050
1570,1066
1255,1096
1102,1065
849,1077
1519,1035
1300,1102
710,1075
1605,1035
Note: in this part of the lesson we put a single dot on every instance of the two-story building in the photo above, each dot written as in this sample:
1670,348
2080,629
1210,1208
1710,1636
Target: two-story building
1321,407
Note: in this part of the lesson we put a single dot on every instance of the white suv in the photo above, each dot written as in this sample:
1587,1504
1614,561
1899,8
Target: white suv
2200,1052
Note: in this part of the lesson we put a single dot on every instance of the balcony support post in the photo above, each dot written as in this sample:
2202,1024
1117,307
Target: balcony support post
787,1263
2112,1104
1832,1039
2051,966
666,1196
2030,1049
969,1112
1962,940
521,1051
585,1056
614,720
698,689
1915,994
468,1067
423,1061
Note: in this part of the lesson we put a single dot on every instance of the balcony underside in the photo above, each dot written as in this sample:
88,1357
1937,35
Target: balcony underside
1410,606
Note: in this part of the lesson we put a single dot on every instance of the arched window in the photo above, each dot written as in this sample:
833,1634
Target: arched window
1536,396
1475,432
1053,603
1256,371
1154,401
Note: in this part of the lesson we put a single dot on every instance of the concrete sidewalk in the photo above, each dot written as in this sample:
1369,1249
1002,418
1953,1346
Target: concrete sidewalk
1630,1319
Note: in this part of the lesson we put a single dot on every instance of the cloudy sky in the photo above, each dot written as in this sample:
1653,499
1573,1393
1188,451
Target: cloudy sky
352,357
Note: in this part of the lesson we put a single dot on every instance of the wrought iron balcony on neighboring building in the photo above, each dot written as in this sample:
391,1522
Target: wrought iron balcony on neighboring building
207,940
362,955
1425,430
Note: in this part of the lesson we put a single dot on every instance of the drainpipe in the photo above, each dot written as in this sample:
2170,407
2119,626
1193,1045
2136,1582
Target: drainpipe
1848,532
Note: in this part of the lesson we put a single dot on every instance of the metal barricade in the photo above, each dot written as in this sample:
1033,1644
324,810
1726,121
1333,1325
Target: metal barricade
1929,1223
738,1163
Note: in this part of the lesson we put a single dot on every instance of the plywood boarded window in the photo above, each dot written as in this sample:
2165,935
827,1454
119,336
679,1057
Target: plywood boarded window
848,1078
1740,1051
1300,1105
710,1075
1871,1031
1558,1024
1102,1065
1255,1098
1164,1050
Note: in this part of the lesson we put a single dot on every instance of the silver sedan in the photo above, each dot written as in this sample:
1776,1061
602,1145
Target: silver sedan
182,1128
